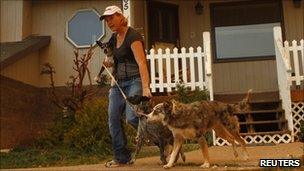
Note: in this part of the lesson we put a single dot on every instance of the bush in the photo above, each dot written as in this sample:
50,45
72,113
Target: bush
89,132
185,95
54,135
86,130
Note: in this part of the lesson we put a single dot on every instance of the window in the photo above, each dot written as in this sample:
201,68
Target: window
163,23
244,30
84,28
245,41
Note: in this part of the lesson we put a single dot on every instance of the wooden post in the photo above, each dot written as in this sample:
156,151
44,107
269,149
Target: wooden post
208,64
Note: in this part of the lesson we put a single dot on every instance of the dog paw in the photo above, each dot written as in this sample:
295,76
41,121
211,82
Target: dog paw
167,166
163,163
205,165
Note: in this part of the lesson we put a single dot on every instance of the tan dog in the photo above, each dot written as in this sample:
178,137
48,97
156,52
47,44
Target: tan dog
192,121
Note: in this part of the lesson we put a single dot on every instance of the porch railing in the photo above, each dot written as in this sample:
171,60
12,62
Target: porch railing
294,54
290,61
193,68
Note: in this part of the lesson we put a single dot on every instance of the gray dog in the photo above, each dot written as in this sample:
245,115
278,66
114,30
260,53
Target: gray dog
155,133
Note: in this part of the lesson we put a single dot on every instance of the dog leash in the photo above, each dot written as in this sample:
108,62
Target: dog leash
123,94
121,91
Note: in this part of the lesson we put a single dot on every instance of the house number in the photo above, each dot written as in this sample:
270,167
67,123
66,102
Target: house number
126,4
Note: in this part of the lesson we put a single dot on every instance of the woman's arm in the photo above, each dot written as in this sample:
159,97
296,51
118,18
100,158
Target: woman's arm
140,58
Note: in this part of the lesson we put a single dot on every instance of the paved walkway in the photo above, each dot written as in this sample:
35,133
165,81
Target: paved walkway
221,159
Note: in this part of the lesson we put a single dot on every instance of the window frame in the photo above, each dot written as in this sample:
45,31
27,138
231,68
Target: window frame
236,4
97,38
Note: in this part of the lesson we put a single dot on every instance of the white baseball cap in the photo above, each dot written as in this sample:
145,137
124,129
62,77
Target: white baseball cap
110,10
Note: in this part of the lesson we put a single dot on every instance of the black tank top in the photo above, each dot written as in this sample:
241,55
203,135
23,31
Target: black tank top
125,65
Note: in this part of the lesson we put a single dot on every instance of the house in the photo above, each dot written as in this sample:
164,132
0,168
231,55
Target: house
240,46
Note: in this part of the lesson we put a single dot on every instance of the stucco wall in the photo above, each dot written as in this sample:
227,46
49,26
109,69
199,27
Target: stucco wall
11,21
26,70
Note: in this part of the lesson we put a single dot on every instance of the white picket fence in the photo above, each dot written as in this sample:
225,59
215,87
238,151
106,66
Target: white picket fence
290,70
292,58
295,57
194,68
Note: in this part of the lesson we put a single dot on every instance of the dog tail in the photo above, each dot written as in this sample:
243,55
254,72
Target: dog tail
249,96
228,117
244,104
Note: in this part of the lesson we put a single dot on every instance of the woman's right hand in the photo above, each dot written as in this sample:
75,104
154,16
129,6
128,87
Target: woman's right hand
146,92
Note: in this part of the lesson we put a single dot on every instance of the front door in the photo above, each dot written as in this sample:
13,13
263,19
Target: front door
163,25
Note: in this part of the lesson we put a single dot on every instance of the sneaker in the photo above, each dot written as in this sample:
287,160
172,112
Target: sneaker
114,163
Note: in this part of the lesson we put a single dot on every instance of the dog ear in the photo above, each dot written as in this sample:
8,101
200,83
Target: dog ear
141,102
168,106
173,101
100,44
145,98
175,105
167,110
135,100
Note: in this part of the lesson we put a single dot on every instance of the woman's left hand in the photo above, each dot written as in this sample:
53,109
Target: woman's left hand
146,92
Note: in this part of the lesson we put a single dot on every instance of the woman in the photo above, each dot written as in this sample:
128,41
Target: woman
131,73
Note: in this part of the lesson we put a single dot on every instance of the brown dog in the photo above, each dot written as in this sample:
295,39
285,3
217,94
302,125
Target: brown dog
192,121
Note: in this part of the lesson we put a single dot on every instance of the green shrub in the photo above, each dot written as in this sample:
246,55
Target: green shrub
86,130
185,95
54,136
89,132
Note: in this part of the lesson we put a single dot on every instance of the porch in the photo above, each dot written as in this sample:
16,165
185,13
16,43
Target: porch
275,115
